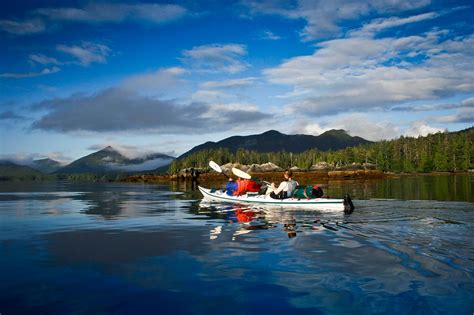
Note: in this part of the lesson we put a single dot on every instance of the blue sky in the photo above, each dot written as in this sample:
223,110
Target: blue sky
148,76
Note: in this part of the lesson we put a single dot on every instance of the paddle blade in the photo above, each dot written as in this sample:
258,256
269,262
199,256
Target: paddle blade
215,166
240,173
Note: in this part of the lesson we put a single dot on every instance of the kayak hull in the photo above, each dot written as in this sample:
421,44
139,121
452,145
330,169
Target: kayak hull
262,200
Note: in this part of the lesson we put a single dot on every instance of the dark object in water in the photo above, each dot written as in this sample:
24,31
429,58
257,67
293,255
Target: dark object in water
348,205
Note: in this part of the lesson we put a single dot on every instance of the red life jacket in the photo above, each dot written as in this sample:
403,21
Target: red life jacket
253,186
246,185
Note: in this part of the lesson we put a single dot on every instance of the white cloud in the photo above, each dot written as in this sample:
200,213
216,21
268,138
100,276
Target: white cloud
468,102
424,107
231,83
216,58
155,81
208,96
147,165
29,158
21,75
308,128
464,115
230,107
26,27
44,60
20,158
115,12
94,13
356,124
124,110
384,23
420,128
361,73
234,115
363,126
322,17
59,157
86,53
127,150
269,35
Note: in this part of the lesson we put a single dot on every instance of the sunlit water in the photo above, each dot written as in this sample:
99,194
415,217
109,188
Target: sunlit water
71,248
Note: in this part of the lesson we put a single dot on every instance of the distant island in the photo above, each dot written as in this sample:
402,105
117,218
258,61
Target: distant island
333,151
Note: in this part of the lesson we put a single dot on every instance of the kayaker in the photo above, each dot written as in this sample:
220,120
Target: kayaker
231,187
285,189
246,185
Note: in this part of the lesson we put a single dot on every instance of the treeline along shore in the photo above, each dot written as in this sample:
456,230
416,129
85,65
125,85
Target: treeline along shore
441,152
451,152
273,176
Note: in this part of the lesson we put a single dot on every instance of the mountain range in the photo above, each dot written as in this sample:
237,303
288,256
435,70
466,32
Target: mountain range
10,170
105,161
111,161
274,141
46,166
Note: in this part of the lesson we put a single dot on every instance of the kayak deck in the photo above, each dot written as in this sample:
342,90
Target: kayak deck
262,200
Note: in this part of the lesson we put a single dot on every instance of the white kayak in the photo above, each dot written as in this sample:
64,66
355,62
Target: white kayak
321,204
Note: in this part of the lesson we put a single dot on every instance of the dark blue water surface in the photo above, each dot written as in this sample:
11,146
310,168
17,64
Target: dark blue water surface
91,248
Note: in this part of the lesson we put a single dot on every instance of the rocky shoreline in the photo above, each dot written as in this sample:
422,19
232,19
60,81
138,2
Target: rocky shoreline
270,172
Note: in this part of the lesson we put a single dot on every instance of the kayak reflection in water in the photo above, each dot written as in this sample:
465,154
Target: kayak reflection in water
248,219
251,219
256,220
290,228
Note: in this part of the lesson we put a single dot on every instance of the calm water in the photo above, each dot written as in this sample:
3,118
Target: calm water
69,248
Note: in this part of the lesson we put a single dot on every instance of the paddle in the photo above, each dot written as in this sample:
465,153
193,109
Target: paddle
217,168
244,175
240,173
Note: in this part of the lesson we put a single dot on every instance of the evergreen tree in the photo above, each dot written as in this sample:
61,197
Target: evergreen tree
436,152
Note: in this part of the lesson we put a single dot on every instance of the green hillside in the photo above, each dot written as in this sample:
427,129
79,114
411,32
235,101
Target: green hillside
12,171
109,161
444,152
46,165
93,163
273,141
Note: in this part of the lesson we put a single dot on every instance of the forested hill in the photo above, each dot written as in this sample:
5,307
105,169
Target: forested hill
272,141
449,151
10,170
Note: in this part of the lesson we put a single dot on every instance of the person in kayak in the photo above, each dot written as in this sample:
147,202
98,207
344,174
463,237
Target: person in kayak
246,185
241,186
285,189
231,187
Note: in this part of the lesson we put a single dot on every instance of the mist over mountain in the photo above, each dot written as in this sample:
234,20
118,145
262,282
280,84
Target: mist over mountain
46,166
109,160
10,170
